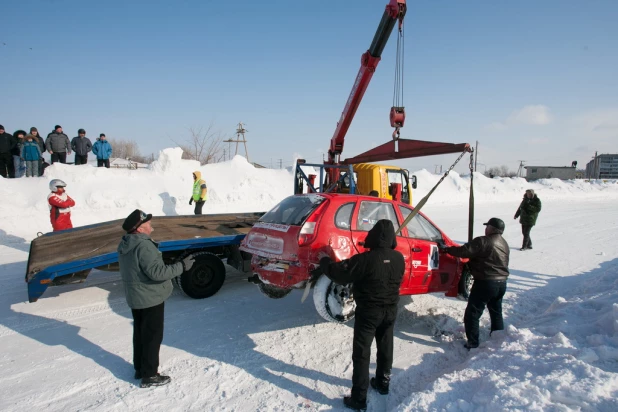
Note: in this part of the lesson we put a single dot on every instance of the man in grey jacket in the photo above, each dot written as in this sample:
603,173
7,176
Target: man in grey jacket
58,145
147,284
489,265
81,145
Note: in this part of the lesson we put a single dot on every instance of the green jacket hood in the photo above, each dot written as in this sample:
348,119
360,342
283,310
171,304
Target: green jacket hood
130,241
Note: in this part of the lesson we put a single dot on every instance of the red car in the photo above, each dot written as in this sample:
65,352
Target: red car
288,242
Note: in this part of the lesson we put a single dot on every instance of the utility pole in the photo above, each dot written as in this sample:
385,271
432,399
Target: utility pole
476,154
520,171
224,158
280,163
240,131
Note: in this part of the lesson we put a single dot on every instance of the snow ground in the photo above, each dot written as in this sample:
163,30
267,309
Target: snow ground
241,351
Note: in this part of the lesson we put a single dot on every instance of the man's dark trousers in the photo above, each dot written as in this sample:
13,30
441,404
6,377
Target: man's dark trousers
103,162
147,338
7,168
525,230
484,293
198,207
58,157
81,160
370,322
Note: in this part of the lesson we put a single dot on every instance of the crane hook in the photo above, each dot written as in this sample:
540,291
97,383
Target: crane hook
396,133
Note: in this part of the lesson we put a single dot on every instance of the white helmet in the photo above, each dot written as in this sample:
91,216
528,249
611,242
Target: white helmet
55,183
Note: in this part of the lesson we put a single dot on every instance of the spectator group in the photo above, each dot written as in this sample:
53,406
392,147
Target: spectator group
21,154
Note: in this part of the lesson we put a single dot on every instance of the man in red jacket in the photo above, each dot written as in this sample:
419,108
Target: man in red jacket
59,206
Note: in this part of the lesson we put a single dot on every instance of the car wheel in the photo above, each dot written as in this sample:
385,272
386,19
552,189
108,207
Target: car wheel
204,279
465,283
334,302
273,292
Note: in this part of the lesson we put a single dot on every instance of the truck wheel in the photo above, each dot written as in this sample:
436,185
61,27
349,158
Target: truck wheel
465,284
273,292
204,279
334,302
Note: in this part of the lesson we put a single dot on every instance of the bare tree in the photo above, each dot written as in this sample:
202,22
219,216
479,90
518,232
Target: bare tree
500,171
203,144
125,149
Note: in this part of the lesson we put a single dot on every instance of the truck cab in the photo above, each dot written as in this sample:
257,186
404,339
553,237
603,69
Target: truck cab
378,177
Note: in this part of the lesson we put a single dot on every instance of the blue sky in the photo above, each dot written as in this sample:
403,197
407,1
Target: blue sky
531,80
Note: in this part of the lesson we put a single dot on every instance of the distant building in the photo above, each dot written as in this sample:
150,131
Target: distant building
550,172
604,166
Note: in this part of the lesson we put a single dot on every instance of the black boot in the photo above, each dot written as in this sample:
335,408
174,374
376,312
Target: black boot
380,385
351,403
157,380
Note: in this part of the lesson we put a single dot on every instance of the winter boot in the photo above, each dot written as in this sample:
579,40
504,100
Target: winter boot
380,385
157,380
351,403
470,346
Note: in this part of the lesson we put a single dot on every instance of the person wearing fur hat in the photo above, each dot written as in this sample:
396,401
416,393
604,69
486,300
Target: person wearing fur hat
58,145
7,144
147,285
527,212
81,145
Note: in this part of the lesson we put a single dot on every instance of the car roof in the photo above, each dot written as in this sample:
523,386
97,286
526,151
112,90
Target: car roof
351,196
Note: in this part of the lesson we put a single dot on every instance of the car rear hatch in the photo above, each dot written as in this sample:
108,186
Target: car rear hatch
276,235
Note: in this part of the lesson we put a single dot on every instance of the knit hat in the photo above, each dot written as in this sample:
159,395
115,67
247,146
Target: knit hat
135,220
33,129
80,131
102,135
56,127
29,136
1,127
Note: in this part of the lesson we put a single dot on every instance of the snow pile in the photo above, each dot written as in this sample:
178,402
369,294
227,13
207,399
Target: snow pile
456,188
563,358
165,189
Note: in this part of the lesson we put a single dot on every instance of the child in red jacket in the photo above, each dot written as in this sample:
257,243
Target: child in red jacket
59,206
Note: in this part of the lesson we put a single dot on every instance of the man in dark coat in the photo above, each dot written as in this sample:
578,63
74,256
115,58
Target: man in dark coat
58,145
376,276
7,145
81,145
527,212
489,265
147,284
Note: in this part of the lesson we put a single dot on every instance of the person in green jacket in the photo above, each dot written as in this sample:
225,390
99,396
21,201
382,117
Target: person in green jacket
147,284
527,212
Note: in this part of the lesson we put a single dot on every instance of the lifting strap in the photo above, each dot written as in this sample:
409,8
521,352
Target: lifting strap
471,201
420,204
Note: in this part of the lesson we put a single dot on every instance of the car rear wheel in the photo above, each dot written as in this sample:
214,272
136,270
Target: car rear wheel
465,284
204,279
334,302
273,292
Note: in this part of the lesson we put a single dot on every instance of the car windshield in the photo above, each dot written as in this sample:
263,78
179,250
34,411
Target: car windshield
293,210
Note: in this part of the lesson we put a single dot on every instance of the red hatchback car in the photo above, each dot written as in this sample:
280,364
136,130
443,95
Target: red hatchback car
288,242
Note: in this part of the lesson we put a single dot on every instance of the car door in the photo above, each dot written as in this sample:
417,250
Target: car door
366,216
423,255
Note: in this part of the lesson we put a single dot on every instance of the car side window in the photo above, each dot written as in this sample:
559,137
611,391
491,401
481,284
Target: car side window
419,227
370,212
343,217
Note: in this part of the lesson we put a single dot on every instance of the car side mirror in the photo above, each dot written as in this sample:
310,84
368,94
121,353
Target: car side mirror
413,181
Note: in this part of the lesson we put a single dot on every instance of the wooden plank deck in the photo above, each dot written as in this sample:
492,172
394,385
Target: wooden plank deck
102,238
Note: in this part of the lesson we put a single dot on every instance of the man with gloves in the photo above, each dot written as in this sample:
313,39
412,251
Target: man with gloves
527,212
376,276
147,284
489,265
199,192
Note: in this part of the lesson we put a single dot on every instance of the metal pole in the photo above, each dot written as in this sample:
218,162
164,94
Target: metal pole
476,152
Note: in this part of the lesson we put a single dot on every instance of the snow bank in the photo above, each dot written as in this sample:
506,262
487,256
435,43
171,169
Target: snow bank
565,358
164,189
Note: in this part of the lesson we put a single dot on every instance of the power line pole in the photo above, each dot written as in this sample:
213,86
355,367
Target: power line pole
476,154
240,131
520,171
280,163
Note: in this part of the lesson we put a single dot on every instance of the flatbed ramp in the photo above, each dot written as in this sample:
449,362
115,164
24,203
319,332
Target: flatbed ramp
68,256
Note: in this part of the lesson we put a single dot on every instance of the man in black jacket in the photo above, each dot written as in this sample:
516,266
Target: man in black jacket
376,276
81,145
58,145
7,144
489,265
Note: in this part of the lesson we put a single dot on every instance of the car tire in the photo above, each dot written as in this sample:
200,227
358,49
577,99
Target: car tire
273,292
204,279
465,284
334,302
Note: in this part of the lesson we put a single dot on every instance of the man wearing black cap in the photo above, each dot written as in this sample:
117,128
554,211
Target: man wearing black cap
58,145
147,284
7,144
81,145
489,265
